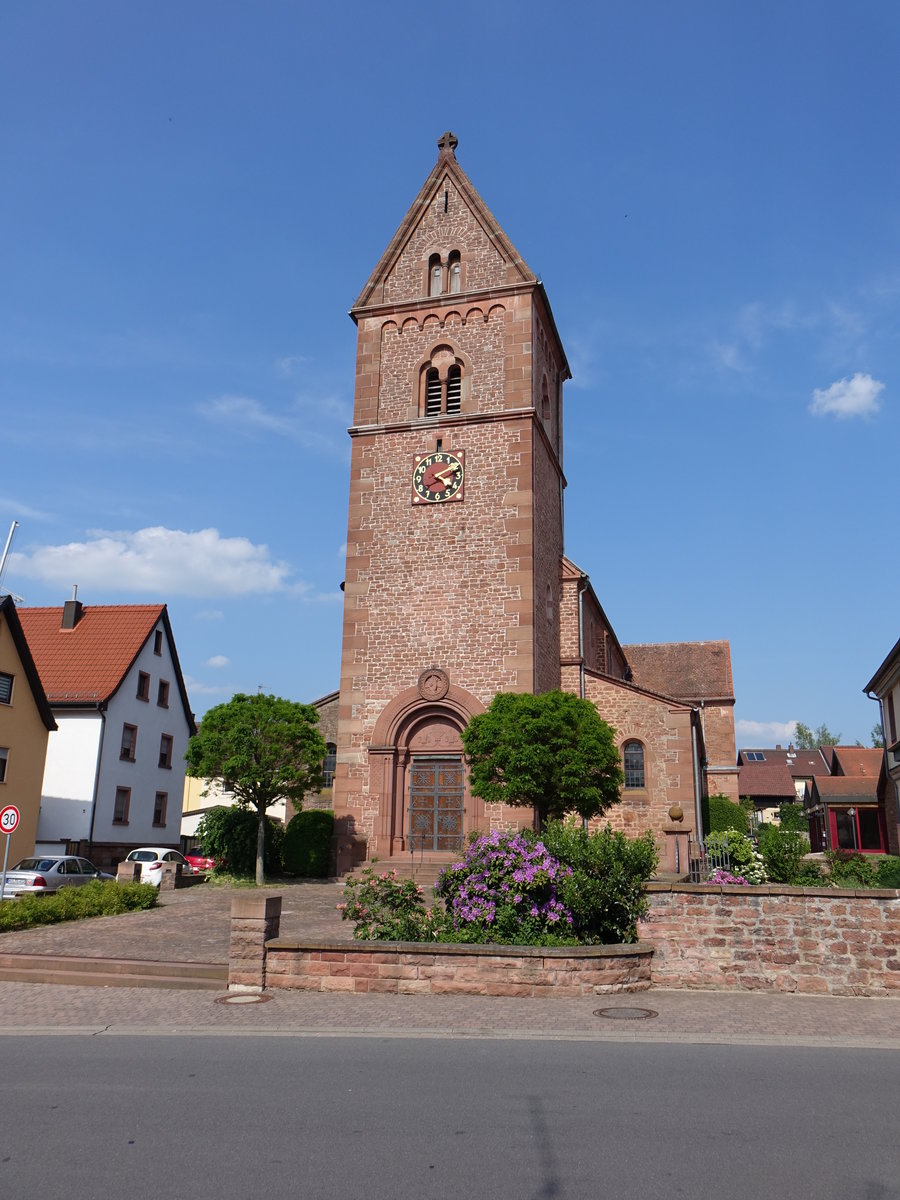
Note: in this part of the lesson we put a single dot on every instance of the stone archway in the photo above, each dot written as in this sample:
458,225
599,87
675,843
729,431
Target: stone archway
416,757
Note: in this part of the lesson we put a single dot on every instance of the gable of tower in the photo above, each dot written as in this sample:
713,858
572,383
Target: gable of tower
449,242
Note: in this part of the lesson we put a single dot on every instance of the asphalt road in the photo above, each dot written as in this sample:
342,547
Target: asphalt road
237,1117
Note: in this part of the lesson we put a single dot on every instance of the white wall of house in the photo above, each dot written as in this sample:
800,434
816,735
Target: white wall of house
67,793
144,776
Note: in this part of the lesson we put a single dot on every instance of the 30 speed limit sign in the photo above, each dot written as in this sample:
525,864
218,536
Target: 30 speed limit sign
9,818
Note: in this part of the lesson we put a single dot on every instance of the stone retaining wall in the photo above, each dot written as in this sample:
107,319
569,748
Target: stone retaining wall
405,967
775,939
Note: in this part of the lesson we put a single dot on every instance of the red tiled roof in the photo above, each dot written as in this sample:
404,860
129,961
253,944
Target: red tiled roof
848,787
858,760
688,671
766,779
87,663
803,764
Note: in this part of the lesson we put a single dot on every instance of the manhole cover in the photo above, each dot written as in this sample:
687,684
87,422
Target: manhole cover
625,1014
243,998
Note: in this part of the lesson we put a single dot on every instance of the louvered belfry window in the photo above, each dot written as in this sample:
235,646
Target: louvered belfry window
454,389
432,393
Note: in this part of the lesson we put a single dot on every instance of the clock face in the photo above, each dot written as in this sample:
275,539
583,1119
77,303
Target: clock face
438,477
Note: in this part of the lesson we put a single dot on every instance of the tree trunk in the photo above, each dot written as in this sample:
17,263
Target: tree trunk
260,847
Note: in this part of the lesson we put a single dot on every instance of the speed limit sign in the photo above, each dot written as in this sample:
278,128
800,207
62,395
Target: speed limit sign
9,818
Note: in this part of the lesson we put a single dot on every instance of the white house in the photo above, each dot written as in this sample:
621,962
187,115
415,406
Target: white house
114,775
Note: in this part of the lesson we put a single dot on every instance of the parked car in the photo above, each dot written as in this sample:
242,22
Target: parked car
152,858
42,876
200,861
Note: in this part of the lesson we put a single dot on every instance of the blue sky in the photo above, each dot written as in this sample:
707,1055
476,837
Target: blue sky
195,193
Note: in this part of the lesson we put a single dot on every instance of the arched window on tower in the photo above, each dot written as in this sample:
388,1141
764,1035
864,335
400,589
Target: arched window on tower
455,267
435,275
454,389
545,402
633,763
441,384
433,393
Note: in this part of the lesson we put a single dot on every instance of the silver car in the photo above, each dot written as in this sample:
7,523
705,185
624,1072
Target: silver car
42,876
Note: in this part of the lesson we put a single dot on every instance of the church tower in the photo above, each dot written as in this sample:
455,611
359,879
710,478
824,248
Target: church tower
454,537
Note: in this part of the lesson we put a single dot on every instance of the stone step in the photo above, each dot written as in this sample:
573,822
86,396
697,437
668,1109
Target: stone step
112,972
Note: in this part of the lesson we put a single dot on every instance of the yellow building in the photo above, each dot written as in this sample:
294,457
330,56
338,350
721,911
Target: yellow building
25,725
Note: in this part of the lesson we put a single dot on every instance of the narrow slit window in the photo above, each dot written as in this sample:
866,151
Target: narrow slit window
432,393
454,389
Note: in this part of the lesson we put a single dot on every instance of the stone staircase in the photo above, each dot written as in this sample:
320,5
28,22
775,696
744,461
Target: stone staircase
423,868
112,972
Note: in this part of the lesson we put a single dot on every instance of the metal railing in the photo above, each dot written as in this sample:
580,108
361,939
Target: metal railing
705,859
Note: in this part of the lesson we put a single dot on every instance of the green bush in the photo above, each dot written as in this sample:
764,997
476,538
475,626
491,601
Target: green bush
94,899
792,816
606,891
848,869
783,850
307,844
888,872
745,861
809,874
386,908
229,836
720,813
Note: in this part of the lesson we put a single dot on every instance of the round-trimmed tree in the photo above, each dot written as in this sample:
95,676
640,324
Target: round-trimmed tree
262,749
552,752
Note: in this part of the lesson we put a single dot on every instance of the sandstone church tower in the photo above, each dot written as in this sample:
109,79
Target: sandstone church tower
455,522
456,584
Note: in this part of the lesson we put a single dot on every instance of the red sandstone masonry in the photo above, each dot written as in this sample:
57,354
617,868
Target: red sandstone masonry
775,939
404,967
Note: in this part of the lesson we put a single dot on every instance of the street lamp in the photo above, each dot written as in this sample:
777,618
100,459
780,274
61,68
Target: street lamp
851,813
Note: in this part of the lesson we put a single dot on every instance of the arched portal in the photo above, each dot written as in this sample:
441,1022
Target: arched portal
418,768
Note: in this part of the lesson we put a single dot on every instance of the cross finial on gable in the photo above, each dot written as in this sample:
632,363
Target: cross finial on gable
447,143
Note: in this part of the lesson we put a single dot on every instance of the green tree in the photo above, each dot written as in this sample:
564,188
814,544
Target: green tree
792,815
878,736
811,739
551,752
262,749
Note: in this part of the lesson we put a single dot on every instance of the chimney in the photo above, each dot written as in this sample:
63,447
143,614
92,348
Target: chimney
72,610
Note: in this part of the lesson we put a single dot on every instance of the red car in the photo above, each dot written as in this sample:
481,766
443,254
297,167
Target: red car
199,861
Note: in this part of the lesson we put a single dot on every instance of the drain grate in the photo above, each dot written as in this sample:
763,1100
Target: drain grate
625,1014
243,998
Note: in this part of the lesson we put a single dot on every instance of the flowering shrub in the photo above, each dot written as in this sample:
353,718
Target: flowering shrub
504,890
387,908
722,876
744,858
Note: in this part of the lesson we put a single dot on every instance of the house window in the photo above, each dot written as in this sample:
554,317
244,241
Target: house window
157,642
328,764
159,808
143,691
4,757
6,682
120,811
754,756
129,742
162,695
892,725
165,750
633,761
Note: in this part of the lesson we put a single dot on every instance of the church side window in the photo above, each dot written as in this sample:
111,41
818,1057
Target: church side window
455,272
329,764
633,762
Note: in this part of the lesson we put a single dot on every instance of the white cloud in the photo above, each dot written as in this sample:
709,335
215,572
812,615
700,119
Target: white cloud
218,660
285,366
196,688
19,510
210,614
309,420
856,397
764,733
159,561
